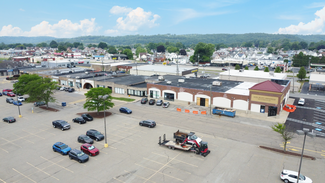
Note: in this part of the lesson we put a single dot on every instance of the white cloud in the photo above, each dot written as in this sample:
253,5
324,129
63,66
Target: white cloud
119,10
188,13
316,5
64,28
21,9
134,20
313,27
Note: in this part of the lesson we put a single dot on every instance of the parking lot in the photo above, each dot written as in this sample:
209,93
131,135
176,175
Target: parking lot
133,153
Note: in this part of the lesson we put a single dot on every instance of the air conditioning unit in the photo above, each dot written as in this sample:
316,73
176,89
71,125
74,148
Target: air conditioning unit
68,76
216,83
241,70
77,77
86,72
181,80
161,78
169,82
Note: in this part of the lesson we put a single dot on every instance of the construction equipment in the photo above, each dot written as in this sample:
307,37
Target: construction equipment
199,148
188,138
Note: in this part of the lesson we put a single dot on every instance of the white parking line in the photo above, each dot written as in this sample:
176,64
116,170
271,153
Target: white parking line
24,175
2,181
56,164
43,171
8,141
166,165
34,134
175,159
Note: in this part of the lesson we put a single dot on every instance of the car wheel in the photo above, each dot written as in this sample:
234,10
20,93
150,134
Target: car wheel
97,139
54,150
62,129
140,124
79,122
286,181
54,126
79,161
70,157
150,126
62,153
90,154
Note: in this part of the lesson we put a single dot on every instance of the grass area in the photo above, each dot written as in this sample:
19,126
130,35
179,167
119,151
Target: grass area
124,99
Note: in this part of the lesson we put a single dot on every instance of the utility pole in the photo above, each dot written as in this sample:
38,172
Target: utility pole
293,78
177,70
210,98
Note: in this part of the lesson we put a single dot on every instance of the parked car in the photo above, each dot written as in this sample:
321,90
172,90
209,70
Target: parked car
67,89
15,102
9,119
144,100
58,88
63,125
291,176
152,101
148,123
159,102
125,110
166,105
94,134
78,155
62,88
301,101
0,94
89,149
11,94
87,117
39,103
71,90
9,100
61,148
224,69
21,99
85,139
79,120
5,92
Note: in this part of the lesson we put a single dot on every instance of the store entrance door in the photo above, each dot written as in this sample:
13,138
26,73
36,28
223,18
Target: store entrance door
272,111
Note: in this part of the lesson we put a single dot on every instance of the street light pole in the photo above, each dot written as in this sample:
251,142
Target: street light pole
305,132
177,65
210,97
18,107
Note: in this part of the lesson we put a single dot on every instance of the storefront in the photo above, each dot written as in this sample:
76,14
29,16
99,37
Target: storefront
138,93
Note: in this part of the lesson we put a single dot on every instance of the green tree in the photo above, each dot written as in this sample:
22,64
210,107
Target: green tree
76,44
303,45
137,45
270,49
277,70
112,50
21,46
172,49
140,50
246,68
180,45
62,48
42,45
23,81
266,69
128,53
102,45
53,44
256,68
96,100
237,67
284,132
286,60
302,73
203,52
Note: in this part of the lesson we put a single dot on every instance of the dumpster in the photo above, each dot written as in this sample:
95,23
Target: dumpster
64,104
224,111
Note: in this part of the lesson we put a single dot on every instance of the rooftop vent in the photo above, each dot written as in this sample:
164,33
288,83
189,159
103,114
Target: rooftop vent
271,74
181,80
161,78
169,82
86,72
68,76
241,70
216,83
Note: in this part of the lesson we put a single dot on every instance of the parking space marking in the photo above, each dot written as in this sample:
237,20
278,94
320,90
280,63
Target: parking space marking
102,143
122,137
34,134
2,181
57,164
175,159
24,175
167,165
8,141
289,146
4,150
117,179
140,176
77,101
42,171
157,171
23,138
47,131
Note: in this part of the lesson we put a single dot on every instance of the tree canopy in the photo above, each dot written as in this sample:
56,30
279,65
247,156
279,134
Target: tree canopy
284,132
302,73
98,98
161,48
54,44
202,53
128,53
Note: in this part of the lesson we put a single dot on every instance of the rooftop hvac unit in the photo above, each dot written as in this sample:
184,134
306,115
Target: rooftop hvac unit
271,74
241,70
161,78
77,77
216,83
68,76
181,80
169,82
86,72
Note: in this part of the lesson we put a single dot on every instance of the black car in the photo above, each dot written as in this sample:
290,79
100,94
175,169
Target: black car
94,134
9,100
63,125
78,155
148,123
71,90
144,100
67,89
85,139
152,101
159,102
87,117
125,110
79,120
9,119
0,94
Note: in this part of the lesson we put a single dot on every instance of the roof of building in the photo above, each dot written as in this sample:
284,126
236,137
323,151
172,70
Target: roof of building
130,80
241,89
268,86
255,74
164,68
317,78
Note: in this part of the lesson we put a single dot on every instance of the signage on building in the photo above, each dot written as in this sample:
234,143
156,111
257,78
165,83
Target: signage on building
78,81
264,99
194,70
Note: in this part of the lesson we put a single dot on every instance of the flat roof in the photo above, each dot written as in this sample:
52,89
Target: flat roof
254,74
241,89
164,68
317,78
111,64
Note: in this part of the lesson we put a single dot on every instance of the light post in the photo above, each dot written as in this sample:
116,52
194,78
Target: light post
104,98
18,107
293,78
177,65
210,97
305,132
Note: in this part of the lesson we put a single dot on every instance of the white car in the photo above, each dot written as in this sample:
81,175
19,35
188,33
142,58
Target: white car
62,88
291,176
21,99
301,101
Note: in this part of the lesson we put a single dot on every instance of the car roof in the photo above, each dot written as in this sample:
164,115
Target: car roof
86,144
60,121
150,120
59,143
75,151
290,172
92,130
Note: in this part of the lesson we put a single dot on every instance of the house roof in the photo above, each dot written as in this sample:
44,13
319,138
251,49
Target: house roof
268,86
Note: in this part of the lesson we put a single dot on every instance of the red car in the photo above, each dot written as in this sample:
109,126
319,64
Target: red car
89,149
7,90
10,94
224,69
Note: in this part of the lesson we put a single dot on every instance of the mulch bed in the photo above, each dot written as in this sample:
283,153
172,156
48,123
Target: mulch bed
95,115
49,108
287,152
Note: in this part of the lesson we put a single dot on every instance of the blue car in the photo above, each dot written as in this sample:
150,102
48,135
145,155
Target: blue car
17,103
61,148
125,110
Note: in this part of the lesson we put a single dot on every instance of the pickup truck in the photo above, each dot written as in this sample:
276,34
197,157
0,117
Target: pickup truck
190,138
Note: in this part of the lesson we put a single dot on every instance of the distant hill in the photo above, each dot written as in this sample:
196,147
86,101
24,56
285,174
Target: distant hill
186,39
22,39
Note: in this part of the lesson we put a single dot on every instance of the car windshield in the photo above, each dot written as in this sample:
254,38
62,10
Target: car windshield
91,147
64,122
126,108
302,177
64,146
86,137
88,115
80,154
11,118
97,133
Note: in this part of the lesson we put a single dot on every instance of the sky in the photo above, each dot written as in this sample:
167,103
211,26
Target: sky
70,18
